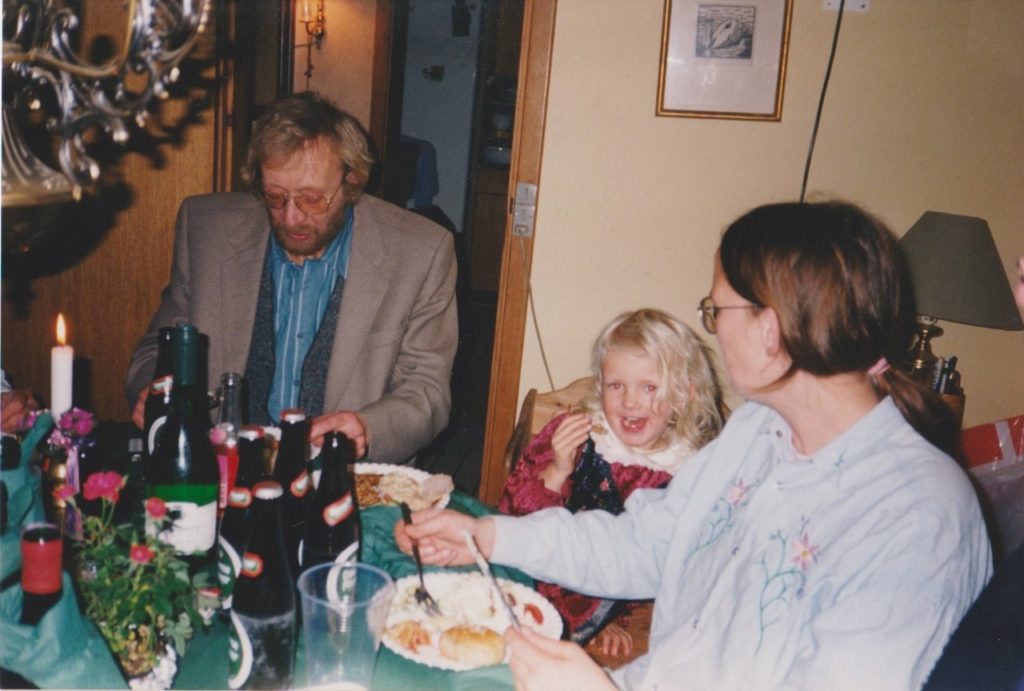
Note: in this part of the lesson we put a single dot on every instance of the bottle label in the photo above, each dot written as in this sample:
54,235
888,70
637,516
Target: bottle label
161,385
300,485
336,512
229,564
239,654
252,565
193,527
341,583
154,431
240,498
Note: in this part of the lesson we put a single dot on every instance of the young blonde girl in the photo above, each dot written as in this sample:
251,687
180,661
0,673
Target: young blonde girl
655,401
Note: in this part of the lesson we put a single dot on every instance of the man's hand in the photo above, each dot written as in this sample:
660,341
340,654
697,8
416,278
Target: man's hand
15,406
346,422
439,534
539,663
139,412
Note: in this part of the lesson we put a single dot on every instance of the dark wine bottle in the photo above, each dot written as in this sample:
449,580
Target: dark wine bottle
291,472
158,402
235,526
184,469
263,638
334,528
42,549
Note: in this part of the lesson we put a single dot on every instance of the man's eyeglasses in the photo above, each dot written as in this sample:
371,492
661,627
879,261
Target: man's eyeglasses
312,204
708,311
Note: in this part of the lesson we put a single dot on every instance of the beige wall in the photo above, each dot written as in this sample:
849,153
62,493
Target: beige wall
343,65
924,111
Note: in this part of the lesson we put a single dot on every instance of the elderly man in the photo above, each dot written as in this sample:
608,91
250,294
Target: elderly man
327,299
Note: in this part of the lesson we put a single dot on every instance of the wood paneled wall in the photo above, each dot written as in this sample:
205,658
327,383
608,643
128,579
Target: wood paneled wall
104,261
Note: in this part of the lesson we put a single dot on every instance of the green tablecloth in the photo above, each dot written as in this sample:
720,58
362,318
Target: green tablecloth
66,650
205,666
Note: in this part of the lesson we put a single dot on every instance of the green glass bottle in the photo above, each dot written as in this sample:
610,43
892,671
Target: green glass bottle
184,471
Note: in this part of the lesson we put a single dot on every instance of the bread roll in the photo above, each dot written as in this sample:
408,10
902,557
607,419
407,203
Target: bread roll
477,646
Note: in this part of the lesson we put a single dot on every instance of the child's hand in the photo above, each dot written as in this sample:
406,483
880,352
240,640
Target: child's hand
615,641
565,443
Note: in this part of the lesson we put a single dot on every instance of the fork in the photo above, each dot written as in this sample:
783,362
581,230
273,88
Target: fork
422,596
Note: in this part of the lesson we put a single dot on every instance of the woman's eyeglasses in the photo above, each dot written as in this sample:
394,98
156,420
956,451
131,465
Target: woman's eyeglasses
311,204
708,311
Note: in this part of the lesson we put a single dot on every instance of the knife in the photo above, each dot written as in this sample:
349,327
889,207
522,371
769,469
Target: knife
486,569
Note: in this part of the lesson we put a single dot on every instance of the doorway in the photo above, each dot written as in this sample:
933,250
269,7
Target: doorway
453,74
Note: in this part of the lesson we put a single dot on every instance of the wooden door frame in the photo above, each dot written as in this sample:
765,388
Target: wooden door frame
517,253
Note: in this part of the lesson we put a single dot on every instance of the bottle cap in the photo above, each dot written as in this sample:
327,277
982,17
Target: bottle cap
293,415
267,489
251,432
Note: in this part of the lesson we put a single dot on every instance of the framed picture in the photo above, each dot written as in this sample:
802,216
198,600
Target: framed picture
724,59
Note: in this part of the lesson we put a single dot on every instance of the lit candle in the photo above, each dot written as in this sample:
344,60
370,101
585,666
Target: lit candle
306,16
62,358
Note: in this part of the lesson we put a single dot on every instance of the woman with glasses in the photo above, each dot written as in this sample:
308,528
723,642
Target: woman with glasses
824,540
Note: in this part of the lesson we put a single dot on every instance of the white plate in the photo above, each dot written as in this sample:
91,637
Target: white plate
465,598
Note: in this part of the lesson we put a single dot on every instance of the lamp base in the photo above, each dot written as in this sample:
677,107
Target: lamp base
920,360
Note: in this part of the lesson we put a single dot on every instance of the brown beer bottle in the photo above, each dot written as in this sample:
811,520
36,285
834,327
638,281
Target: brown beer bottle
334,528
263,638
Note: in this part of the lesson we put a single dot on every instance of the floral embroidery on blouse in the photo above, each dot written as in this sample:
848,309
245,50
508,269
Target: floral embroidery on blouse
784,580
723,514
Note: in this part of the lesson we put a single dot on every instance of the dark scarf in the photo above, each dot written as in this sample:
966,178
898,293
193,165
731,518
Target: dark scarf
259,369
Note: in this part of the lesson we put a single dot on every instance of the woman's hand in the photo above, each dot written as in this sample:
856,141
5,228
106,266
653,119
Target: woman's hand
539,663
565,443
439,534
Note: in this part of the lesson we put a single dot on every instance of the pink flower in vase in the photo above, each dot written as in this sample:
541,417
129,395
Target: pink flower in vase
156,508
141,554
106,485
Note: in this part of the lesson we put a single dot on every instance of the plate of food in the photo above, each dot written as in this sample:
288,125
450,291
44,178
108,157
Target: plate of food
380,483
468,634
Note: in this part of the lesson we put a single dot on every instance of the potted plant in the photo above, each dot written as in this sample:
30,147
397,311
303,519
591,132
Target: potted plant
133,587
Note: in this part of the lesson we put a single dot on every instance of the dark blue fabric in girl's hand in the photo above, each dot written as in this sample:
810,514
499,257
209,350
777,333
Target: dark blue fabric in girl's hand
593,486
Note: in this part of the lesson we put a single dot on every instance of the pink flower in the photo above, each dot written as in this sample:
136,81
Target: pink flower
77,422
106,485
737,492
155,507
64,492
805,553
141,554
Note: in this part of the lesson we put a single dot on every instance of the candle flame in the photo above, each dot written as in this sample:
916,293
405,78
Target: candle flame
61,330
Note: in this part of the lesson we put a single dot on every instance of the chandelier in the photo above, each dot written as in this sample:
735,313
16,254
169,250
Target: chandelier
43,72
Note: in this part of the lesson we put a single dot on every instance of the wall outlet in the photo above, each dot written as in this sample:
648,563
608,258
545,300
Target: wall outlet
850,6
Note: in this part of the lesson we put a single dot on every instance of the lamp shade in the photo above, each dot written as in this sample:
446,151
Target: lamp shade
957,273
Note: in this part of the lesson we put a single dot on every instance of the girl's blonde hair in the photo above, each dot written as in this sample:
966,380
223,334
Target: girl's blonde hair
688,382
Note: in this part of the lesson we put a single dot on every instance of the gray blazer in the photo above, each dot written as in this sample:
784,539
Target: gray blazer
397,325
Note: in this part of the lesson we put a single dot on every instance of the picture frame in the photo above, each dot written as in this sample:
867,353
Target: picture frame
724,59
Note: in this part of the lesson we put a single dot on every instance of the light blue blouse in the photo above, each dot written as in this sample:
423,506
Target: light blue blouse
771,570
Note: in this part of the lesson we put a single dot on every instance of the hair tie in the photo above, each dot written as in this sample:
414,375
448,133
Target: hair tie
879,367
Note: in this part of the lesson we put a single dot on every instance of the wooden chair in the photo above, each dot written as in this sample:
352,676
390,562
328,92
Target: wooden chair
539,409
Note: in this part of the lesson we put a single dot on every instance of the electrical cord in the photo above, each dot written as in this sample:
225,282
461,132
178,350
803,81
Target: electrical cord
533,314
821,100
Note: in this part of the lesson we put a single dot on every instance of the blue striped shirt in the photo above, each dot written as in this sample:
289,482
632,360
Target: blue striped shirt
301,294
